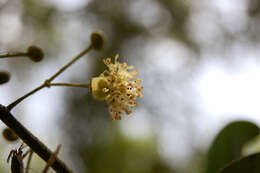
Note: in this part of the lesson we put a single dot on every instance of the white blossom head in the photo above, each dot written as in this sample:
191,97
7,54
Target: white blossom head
118,86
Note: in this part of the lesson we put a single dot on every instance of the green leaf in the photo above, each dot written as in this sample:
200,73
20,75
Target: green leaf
228,144
249,164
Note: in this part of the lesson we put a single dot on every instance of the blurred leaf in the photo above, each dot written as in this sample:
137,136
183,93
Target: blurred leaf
37,13
254,7
180,14
120,154
228,144
244,165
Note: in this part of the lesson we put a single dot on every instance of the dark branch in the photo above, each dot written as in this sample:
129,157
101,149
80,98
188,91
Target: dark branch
35,144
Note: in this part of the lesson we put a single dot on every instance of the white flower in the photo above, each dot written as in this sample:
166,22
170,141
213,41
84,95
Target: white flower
118,86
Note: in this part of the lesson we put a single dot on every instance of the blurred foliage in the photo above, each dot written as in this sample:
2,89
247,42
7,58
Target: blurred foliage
179,11
39,20
254,7
37,13
120,154
228,144
244,165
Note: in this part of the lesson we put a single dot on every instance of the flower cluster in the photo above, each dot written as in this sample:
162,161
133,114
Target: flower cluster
118,86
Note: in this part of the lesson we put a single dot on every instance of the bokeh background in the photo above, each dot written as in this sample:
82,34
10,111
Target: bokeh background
198,59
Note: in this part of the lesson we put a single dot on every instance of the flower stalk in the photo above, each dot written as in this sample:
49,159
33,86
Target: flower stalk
13,55
34,53
69,63
71,85
48,83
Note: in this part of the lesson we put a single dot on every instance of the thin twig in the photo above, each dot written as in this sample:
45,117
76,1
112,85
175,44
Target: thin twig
70,63
28,161
9,55
47,82
13,104
71,85
51,159
33,142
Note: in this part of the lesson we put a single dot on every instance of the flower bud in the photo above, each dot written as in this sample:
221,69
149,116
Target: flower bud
35,53
99,88
97,40
4,77
9,135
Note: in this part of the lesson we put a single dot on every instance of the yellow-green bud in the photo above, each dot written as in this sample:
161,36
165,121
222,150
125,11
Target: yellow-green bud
4,77
97,40
9,135
99,88
35,53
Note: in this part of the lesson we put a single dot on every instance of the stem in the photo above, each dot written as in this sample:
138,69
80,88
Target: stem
10,106
70,63
47,82
35,144
28,161
71,85
9,55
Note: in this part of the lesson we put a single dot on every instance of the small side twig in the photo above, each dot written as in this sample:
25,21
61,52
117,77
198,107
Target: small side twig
13,55
28,161
47,83
13,104
71,85
33,142
51,159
